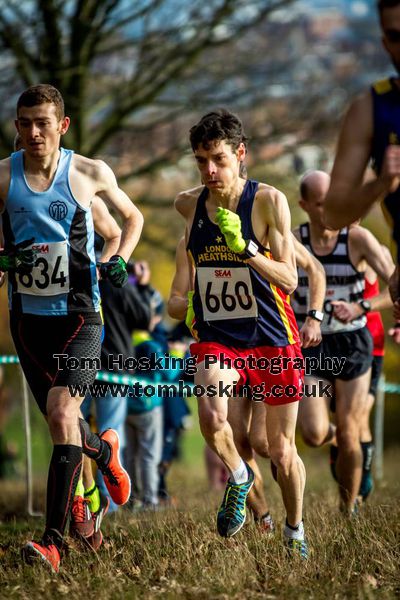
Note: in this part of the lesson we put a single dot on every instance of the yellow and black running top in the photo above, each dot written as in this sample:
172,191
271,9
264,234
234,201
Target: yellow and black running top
233,304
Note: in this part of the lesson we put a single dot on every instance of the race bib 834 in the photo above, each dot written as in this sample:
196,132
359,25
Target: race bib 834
50,274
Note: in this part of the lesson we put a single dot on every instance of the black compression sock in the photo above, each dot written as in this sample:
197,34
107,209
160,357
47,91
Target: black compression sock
367,454
92,445
64,471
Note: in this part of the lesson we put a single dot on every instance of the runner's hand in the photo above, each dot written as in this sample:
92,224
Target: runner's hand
19,258
310,333
115,271
231,226
394,332
346,311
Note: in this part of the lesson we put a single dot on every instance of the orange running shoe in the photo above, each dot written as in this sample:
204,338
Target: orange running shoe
50,555
116,478
81,518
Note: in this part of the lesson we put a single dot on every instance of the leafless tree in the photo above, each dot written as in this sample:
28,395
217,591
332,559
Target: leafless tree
118,63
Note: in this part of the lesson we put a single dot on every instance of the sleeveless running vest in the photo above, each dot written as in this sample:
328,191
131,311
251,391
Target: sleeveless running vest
343,282
233,304
64,278
386,115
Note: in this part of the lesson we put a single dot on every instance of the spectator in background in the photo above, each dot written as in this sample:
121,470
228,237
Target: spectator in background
144,420
175,408
124,310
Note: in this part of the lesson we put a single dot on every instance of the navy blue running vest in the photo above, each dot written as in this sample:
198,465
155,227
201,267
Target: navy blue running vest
64,277
233,304
386,113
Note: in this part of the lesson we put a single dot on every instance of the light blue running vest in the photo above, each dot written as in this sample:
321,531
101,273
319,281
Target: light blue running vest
64,278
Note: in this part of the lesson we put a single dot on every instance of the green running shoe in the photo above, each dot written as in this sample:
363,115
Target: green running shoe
232,512
296,548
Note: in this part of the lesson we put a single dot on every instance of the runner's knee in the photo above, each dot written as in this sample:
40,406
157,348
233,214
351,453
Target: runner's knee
60,417
283,452
212,420
314,436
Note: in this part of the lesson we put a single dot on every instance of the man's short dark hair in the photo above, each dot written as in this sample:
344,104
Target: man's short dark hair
41,94
216,126
382,4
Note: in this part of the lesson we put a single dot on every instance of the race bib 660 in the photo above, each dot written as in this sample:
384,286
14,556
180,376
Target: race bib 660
226,293
50,275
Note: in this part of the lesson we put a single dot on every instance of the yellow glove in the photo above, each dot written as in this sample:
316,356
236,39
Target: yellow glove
190,316
231,226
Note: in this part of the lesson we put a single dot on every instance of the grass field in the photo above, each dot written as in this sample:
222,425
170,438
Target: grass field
177,553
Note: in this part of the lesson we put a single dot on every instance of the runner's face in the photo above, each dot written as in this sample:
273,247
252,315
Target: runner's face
219,165
390,23
40,129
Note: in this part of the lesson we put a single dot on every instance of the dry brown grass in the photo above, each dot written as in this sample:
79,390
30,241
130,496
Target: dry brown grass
178,554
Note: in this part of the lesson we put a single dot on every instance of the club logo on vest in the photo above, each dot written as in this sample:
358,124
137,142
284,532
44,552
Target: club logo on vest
58,210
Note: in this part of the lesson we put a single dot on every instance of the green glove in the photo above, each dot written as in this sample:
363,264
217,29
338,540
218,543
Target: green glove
19,258
190,316
231,226
115,271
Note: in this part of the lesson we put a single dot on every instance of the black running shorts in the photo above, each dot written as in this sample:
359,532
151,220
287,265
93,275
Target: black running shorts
354,346
38,338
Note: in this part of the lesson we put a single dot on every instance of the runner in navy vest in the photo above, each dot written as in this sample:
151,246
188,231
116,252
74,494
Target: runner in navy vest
344,357
45,199
242,257
371,130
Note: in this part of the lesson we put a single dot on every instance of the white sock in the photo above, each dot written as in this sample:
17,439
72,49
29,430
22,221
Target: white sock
295,533
240,475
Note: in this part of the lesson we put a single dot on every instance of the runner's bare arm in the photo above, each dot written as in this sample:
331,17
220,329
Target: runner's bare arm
377,257
316,275
371,251
310,333
383,299
177,301
281,271
106,226
5,177
348,198
108,190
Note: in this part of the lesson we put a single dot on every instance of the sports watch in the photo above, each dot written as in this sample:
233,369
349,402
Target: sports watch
250,249
365,305
317,315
